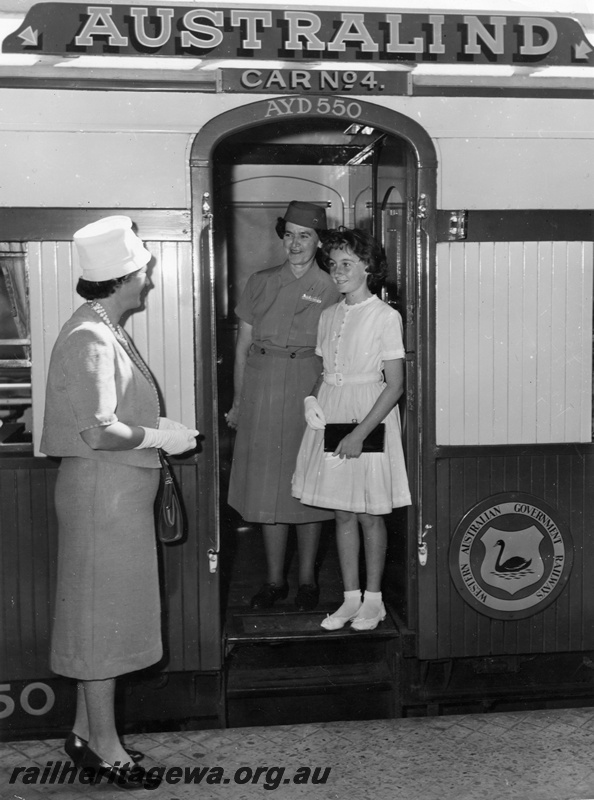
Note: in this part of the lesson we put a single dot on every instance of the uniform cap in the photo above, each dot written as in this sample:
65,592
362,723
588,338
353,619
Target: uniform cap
309,215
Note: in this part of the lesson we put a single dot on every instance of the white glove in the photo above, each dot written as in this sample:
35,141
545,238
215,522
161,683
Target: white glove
166,424
172,441
314,416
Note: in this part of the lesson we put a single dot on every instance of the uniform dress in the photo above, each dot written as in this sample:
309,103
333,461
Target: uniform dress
107,618
354,341
281,370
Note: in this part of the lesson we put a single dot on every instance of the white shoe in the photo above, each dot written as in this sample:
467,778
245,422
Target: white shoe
363,624
334,622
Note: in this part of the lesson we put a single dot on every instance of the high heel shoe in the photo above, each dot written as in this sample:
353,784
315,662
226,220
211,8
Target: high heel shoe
370,624
75,745
334,622
124,777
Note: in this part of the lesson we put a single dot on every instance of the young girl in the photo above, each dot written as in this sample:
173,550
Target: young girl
360,340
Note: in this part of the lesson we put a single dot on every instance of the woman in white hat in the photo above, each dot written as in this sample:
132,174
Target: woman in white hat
102,418
275,369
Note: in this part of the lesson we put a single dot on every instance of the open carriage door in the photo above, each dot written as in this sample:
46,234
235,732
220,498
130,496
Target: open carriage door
417,272
404,222
209,617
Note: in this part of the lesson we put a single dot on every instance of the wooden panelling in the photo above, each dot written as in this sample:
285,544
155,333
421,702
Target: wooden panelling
27,571
163,332
28,557
562,482
181,569
514,343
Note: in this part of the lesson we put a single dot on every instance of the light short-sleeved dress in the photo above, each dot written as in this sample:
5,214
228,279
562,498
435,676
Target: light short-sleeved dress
354,341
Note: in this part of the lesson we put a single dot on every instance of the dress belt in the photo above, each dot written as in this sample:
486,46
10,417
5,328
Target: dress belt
281,352
338,379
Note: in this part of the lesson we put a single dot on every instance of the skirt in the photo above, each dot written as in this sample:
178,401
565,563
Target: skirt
107,618
269,432
374,483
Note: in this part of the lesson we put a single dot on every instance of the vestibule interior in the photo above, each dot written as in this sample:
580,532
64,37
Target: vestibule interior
361,175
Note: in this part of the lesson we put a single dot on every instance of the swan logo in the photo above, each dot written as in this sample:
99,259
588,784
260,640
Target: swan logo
511,556
512,561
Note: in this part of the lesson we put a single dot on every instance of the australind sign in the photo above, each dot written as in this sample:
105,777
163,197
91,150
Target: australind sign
299,35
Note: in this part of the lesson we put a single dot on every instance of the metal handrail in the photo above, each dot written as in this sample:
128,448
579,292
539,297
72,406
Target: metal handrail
208,231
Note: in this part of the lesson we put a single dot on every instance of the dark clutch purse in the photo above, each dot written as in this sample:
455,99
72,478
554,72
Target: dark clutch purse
171,521
334,432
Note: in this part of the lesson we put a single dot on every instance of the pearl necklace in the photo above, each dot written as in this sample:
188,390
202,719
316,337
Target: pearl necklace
126,343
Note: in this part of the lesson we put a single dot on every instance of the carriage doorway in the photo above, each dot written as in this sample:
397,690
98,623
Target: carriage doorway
368,172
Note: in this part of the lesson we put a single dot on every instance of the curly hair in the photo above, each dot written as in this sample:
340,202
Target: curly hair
363,246
97,290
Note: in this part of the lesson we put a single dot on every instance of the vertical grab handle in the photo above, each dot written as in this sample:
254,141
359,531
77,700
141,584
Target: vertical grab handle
421,244
422,547
208,234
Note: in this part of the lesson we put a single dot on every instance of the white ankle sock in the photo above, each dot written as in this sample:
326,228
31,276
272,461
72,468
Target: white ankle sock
372,602
352,604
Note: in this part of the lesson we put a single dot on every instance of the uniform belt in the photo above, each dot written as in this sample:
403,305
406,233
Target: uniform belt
338,379
279,352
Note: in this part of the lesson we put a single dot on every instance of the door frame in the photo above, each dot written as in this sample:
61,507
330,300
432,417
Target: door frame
420,389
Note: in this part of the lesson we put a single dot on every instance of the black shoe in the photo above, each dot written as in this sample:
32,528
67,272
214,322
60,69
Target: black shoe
269,594
307,597
123,777
75,745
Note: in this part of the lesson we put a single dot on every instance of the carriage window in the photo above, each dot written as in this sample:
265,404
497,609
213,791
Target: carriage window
15,349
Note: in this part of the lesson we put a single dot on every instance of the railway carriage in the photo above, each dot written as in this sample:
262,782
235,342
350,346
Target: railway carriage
462,136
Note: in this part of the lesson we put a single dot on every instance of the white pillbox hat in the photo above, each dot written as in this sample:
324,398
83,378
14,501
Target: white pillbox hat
109,249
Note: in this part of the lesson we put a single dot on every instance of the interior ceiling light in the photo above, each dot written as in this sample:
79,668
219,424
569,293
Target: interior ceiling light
355,128
365,153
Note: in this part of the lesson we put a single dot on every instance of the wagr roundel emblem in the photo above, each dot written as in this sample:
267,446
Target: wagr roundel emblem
511,556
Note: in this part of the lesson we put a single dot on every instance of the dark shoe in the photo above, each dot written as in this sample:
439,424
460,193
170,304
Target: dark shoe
307,597
75,745
269,594
123,777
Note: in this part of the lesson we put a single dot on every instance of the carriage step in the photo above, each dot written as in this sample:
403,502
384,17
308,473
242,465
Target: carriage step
244,625
302,677
331,679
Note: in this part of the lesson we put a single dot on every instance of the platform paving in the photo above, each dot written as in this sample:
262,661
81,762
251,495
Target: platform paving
535,755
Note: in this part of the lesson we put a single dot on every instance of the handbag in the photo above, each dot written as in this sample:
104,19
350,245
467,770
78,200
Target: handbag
171,522
334,433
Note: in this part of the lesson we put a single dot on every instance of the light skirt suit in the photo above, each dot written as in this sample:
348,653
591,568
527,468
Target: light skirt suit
107,619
